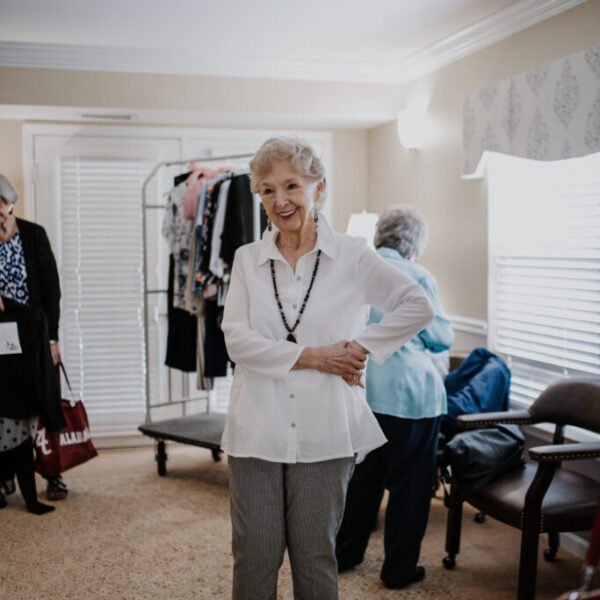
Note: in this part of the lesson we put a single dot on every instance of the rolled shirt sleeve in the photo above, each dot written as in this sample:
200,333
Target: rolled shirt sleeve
438,336
406,308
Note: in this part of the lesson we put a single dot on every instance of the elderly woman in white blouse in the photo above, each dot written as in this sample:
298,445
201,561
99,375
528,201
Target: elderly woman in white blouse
295,325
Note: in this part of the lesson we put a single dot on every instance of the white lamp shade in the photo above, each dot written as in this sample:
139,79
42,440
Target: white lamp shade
363,225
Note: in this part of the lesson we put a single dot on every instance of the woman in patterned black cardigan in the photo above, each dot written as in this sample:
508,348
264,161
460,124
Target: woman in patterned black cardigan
29,275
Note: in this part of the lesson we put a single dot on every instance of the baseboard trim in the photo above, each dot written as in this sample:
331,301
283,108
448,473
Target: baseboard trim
469,325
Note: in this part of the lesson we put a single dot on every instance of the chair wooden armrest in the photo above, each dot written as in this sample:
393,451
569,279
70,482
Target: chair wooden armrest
475,420
560,452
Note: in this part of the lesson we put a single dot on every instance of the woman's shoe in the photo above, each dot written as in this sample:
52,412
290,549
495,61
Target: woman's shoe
57,489
25,470
419,575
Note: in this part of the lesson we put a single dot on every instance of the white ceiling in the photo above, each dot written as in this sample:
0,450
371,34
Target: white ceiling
335,40
330,30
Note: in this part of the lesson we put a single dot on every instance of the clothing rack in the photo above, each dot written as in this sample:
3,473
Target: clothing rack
148,292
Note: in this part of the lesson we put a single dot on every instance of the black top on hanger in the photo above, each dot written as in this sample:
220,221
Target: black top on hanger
180,178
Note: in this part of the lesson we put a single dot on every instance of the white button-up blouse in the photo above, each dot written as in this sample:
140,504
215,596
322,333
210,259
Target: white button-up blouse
284,415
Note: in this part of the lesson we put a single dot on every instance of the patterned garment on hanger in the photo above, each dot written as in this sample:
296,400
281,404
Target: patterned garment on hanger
177,230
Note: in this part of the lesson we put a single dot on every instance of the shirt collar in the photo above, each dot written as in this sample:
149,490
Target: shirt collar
325,243
389,252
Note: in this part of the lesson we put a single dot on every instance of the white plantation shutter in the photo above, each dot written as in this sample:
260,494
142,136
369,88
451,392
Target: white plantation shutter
544,266
102,302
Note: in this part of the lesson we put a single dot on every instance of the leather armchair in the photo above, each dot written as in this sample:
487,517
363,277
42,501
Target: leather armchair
542,497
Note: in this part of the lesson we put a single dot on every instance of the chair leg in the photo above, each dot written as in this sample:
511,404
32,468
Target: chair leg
532,520
453,529
554,543
528,564
435,486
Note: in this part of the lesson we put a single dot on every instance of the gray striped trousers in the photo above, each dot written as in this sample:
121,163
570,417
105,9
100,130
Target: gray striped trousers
297,506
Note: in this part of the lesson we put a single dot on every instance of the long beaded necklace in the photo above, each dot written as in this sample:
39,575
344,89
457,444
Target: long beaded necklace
291,337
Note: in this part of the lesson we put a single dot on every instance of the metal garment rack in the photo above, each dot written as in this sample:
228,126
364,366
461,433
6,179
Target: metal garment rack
199,430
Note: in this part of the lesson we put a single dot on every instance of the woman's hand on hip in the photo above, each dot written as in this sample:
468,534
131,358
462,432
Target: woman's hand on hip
359,351
1,305
346,359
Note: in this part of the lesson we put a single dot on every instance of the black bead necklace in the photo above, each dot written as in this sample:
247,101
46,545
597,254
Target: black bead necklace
291,337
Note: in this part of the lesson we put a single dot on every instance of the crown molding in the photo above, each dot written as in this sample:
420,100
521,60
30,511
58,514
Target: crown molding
497,26
506,22
171,62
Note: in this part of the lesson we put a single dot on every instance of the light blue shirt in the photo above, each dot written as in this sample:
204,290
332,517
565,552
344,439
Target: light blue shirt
407,385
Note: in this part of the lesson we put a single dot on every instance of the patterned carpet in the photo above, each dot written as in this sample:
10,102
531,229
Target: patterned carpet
125,533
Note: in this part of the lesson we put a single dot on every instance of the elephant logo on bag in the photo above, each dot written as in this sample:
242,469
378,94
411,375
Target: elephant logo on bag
41,442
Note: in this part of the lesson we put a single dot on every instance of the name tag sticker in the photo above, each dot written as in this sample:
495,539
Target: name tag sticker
9,339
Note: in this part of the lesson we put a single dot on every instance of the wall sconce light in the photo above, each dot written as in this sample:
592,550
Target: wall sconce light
411,128
363,225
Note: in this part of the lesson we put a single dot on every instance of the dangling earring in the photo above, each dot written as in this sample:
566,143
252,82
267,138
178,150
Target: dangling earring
316,214
10,209
269,225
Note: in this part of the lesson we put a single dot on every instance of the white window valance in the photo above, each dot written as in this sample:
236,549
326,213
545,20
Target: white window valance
549,113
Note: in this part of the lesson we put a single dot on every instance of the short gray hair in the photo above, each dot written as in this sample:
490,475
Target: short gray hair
7,191
403,228
295,150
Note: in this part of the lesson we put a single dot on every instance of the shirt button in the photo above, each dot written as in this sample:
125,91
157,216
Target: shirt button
298,278
293,425
292,396
294,306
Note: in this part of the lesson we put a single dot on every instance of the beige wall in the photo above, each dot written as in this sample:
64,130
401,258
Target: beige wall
430,177
11,155
129,91
349,175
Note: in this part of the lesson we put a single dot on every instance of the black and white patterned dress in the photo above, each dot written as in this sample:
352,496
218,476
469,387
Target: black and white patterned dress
13,284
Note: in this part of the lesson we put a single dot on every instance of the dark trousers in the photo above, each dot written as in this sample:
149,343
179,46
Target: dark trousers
7,467
405,466
20,460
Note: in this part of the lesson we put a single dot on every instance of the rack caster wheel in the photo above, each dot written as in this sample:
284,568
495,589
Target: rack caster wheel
480,517
449,562
161,459
549,555
216,454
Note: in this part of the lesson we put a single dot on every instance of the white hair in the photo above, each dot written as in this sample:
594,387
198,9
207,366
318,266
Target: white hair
403,228
295,150
7,191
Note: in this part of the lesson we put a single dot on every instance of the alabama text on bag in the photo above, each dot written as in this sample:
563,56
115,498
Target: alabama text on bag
60,450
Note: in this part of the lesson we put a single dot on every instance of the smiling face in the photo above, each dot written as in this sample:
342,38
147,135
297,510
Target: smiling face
289,197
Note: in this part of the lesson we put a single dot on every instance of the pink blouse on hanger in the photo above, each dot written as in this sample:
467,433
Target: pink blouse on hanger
197,178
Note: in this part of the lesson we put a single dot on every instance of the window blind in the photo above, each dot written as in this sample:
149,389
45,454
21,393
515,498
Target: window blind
102,305
544,265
